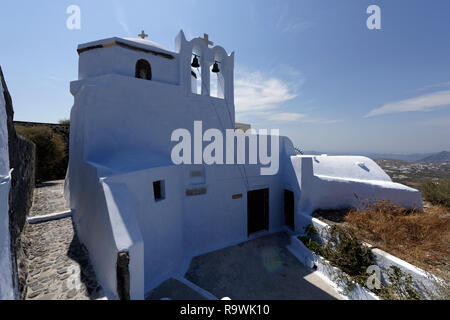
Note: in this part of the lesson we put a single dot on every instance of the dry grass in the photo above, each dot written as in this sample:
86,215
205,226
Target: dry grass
421,238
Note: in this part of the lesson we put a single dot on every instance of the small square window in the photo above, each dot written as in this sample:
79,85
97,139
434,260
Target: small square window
158,190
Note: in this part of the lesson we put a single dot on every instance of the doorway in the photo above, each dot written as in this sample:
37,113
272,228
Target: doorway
258,210
289,209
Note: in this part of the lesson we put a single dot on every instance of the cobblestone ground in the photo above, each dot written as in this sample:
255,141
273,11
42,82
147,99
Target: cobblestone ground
58,265
48,198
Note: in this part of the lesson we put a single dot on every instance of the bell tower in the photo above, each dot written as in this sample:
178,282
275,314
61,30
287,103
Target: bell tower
214,62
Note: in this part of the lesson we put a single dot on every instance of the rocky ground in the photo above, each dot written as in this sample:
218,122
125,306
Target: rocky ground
48,198
57,263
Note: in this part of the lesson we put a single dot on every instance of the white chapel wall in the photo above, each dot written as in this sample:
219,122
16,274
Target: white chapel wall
122,61
6,285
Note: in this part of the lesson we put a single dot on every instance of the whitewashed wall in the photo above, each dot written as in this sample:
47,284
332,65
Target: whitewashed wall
122,61
120,144
334,182
6,285
124,139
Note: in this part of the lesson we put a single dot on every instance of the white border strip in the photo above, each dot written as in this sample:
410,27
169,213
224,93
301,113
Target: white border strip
384,260
206,294
49,217
328,272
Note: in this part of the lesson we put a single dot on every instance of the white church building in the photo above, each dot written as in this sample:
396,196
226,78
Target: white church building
142,217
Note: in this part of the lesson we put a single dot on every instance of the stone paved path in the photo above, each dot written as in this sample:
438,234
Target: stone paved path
48,198
58,265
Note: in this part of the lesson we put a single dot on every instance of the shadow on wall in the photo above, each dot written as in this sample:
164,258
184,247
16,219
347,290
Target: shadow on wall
78,252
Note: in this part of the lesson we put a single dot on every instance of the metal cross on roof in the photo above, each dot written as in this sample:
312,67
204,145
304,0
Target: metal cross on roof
143,35
206,39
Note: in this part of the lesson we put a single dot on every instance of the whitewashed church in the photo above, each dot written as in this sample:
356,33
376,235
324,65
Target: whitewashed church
143,218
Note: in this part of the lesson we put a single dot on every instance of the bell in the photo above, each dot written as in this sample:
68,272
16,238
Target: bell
195,63
215,68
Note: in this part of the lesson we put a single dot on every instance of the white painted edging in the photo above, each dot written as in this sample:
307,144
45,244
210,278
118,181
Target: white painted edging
49,217
196,288
308,258
423,280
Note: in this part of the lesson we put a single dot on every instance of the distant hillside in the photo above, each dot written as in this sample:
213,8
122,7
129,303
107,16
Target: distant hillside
413,157
443,156
403,157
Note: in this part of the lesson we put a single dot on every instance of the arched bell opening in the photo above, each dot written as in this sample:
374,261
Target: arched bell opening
217,80
143,70
196,74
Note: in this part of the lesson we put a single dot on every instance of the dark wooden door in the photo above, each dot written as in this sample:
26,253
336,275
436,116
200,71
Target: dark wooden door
258,210
289,209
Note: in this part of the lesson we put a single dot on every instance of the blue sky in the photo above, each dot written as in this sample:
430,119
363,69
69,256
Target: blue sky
311,68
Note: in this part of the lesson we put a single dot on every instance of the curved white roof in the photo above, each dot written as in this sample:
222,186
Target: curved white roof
146,42
135,42
349,167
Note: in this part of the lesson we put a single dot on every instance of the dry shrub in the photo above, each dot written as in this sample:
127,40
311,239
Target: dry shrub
51,160
421,238
437,192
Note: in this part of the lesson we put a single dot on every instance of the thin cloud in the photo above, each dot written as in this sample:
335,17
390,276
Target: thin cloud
298,118
441,85
287,22
120,16
286,116
332,121
54,78
422,103
440,122
257,92
261,98
321,121
296,26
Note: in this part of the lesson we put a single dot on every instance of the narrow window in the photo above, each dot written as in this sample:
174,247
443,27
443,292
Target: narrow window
143,70
158,190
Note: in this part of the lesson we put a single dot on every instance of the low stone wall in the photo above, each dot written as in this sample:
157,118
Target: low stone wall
21,158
